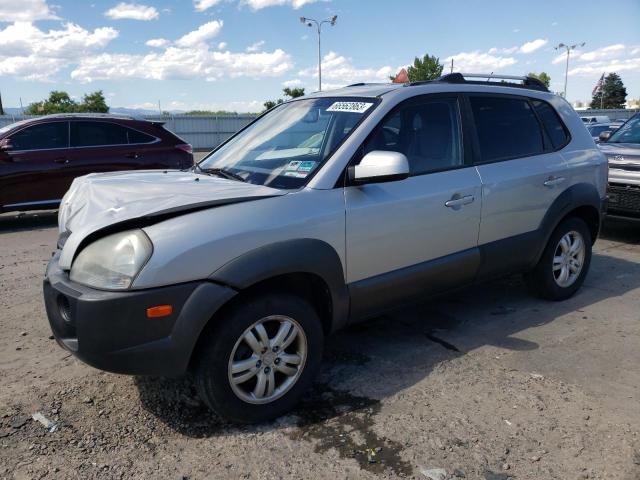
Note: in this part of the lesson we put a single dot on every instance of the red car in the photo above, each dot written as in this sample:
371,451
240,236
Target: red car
40,157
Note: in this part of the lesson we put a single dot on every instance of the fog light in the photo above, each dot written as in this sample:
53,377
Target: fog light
65,308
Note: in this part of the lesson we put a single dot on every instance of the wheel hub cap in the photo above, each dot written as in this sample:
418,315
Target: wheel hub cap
568,259
267,360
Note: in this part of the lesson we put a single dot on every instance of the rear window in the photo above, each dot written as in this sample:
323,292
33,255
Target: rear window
556,131
506,127
91,134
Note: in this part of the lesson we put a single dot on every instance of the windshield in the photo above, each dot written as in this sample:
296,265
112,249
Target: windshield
627,133
283,148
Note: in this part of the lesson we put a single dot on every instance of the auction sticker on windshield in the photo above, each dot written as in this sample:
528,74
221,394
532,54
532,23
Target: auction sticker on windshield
350,107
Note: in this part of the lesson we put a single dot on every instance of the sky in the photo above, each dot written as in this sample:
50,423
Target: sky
235,54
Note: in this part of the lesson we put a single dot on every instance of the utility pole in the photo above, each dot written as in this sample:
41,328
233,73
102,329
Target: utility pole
309,22
566,71
451,66
1,109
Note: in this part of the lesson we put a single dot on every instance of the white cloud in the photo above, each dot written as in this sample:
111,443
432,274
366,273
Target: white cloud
222,45
28,52
621,65
250,106
255,47
533,45
201,35
202,5
479,62
610,51
339,71
259,4
25,11
132,11
296,82
182,63
157,42
508,51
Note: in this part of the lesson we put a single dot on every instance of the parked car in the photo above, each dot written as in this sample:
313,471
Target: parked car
596,119
622,149
326,210
40,157
595,129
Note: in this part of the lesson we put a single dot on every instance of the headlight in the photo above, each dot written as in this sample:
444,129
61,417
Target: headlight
112,262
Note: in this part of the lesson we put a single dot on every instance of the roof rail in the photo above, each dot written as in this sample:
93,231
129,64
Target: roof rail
489,79
98,115
364,84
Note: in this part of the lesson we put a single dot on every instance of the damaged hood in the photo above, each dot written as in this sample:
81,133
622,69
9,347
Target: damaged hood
101,200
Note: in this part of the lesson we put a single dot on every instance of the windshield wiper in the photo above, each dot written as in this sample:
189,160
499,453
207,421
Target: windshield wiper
222,172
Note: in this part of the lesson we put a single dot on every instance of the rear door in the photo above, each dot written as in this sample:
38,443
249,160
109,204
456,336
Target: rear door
522,174
32,171
409,237
99,146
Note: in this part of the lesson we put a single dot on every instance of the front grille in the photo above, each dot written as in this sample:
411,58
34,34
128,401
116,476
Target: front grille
624,198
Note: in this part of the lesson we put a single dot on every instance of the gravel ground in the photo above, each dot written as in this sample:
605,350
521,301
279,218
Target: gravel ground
488,383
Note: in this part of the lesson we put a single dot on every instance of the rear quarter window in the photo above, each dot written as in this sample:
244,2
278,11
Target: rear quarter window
556,131
507,128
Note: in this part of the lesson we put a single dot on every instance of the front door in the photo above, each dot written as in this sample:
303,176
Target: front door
32,171
419,235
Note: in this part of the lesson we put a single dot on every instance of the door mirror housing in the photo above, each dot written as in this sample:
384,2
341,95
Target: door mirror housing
380,166
604,136
6,145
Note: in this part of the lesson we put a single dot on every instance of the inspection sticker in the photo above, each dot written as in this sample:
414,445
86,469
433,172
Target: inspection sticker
293,165
306,166
351,107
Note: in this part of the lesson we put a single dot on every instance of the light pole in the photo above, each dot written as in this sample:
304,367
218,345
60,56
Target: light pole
566,71
309,22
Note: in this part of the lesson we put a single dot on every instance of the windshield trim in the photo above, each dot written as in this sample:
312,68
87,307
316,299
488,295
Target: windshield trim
338,98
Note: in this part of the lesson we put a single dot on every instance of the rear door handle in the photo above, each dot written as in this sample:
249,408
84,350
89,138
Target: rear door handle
61,160
457,202
132,155
553,181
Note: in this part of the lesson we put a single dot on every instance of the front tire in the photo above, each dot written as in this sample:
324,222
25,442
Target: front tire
256,362
565,261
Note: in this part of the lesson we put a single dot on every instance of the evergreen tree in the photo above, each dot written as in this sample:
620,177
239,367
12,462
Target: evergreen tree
613,94
426,68
542,76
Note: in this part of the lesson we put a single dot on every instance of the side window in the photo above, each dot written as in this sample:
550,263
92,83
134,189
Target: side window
135,136
427,133
42,137
552,123
93,134
506,127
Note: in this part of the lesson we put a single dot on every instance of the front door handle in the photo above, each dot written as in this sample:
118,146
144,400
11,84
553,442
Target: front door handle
132,155
458,202
553,181
61,160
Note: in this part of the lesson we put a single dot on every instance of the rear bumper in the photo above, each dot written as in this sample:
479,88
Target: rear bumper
111,331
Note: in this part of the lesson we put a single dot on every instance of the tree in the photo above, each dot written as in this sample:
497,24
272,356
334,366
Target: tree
427,68
613,94
542,76
94,103
61,102
294,92
289,92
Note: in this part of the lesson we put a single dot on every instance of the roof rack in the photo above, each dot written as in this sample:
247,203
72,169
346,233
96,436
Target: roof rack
364,84
489,79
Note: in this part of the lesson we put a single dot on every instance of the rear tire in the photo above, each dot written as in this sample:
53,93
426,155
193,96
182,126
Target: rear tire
244,380
565,261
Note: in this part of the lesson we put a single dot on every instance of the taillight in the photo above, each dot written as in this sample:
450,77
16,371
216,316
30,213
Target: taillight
185,147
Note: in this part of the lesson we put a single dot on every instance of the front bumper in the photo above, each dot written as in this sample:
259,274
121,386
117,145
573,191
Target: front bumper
111,331
623,200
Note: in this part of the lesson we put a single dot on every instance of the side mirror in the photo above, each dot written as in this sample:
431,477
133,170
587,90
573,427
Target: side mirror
380,166
604,136
6,145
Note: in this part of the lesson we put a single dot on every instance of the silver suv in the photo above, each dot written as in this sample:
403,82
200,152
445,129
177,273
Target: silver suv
324,211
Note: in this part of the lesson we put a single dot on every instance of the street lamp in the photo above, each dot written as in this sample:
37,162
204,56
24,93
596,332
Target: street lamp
566,71
309,22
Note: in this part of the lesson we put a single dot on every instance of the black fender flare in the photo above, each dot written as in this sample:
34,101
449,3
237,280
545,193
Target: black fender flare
305,255
576,196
